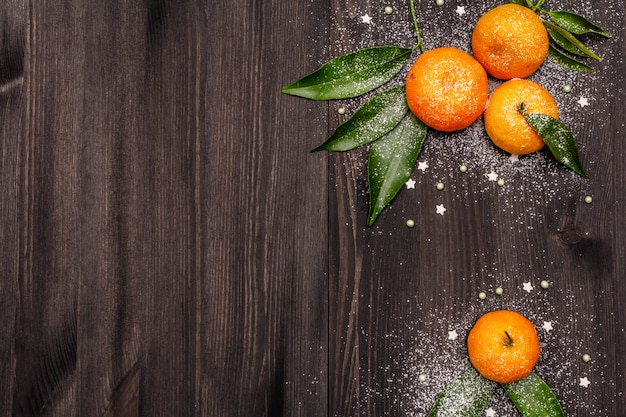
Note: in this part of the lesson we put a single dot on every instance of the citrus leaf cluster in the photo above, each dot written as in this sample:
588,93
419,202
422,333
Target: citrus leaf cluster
564,28
468,395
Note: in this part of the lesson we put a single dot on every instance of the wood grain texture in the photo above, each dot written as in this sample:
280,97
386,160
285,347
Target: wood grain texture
171,248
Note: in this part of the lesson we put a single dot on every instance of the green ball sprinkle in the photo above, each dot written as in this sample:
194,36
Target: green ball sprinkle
499,291
388,10
567,88
440,186
422,378
440,2
544,284
482,295
341,110
586,358
410,223
500,182
463,168
588,199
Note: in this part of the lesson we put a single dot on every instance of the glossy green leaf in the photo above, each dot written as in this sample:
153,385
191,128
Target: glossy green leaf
377,116
558,138
563,43
352,74
568,62
575,23
572,39
466,396
391,162
533,398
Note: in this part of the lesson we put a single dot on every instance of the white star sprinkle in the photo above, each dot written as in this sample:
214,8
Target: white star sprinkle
410,184
440,209
490,412
514,158
547,326
492,176
366,19
460,10
422,166
584,382
452,335
528,287
583,101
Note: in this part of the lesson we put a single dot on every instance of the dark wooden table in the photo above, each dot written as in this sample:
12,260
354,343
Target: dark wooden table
171,248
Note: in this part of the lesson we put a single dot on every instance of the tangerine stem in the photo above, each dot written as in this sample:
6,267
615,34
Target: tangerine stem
420,42
509,340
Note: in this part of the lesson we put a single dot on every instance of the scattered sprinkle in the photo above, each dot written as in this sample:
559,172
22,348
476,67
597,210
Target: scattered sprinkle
583,101
514,157
388,10
366,19
341,110
586,357
482,295
545,284
567,88
440,186
410,223
492,176
588,199
440,209
410,184
463,168
452,335
460,10
422,378
528,287
547,326
422,166
501,182
584,382
490,412
499,291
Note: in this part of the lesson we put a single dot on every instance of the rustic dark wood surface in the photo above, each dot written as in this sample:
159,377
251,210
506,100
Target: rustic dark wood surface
171,248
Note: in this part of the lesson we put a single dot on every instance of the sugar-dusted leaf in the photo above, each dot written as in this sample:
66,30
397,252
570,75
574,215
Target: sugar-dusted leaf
568,62
575,23
466,396
352,74
571,39
373,119
391,162
558,138
533,398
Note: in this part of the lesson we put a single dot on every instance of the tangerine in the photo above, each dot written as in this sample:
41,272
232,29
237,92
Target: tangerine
447,89
510,41
503,346
506,126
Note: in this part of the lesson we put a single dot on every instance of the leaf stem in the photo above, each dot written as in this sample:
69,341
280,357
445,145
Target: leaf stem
420,42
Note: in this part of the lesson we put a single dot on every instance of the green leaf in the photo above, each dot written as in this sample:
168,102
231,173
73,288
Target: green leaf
559,139
377,116
533,398
352,74
466,396
575,23
520,2
572,39
391,162
567,62
563,43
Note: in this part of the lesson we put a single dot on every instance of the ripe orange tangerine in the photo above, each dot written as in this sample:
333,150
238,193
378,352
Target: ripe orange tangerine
447,89
510,41
503,346
504,124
